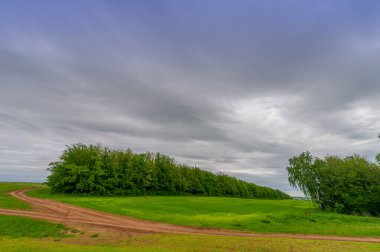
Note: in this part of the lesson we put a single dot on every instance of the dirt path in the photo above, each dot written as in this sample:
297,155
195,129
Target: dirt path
87,219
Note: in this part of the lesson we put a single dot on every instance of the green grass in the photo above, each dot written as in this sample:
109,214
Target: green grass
24,234
275,216
7,201
161,242
16,227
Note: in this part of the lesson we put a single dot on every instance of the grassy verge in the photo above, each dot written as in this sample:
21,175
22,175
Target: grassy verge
279,216
189,243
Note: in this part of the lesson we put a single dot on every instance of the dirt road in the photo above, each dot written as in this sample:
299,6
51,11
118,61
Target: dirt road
87,219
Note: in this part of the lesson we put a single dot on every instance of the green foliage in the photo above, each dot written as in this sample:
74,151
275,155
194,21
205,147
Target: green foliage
94,170
348,185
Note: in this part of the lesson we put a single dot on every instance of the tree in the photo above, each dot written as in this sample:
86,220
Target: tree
347,185
97,170
305,173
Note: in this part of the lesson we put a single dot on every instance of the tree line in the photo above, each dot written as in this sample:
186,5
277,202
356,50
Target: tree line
349,185
97,170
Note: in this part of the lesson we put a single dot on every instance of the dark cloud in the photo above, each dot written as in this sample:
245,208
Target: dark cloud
236,87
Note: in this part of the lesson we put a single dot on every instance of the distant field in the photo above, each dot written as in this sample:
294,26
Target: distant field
278,216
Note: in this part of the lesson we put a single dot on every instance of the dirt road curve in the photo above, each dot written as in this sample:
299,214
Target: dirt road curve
83,218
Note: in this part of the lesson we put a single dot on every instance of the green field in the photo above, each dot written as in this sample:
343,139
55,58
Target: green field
192,243
278,216
24,234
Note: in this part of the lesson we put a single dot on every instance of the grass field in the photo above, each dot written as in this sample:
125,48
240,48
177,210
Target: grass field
186,243
16,227
279,216
24,234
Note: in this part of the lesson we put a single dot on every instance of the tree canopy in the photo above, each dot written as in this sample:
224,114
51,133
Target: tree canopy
97,170
347,185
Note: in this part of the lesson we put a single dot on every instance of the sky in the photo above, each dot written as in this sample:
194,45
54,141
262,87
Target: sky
233,86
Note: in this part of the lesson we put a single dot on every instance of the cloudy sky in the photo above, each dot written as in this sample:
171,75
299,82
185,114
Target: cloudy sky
231,86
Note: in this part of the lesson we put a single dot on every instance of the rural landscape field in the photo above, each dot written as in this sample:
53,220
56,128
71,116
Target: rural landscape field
26,234
193,125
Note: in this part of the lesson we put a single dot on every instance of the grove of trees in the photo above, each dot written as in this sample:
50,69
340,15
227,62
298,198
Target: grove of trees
349,185
97,170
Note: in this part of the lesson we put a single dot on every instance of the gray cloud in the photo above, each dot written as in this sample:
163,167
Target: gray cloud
237,87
